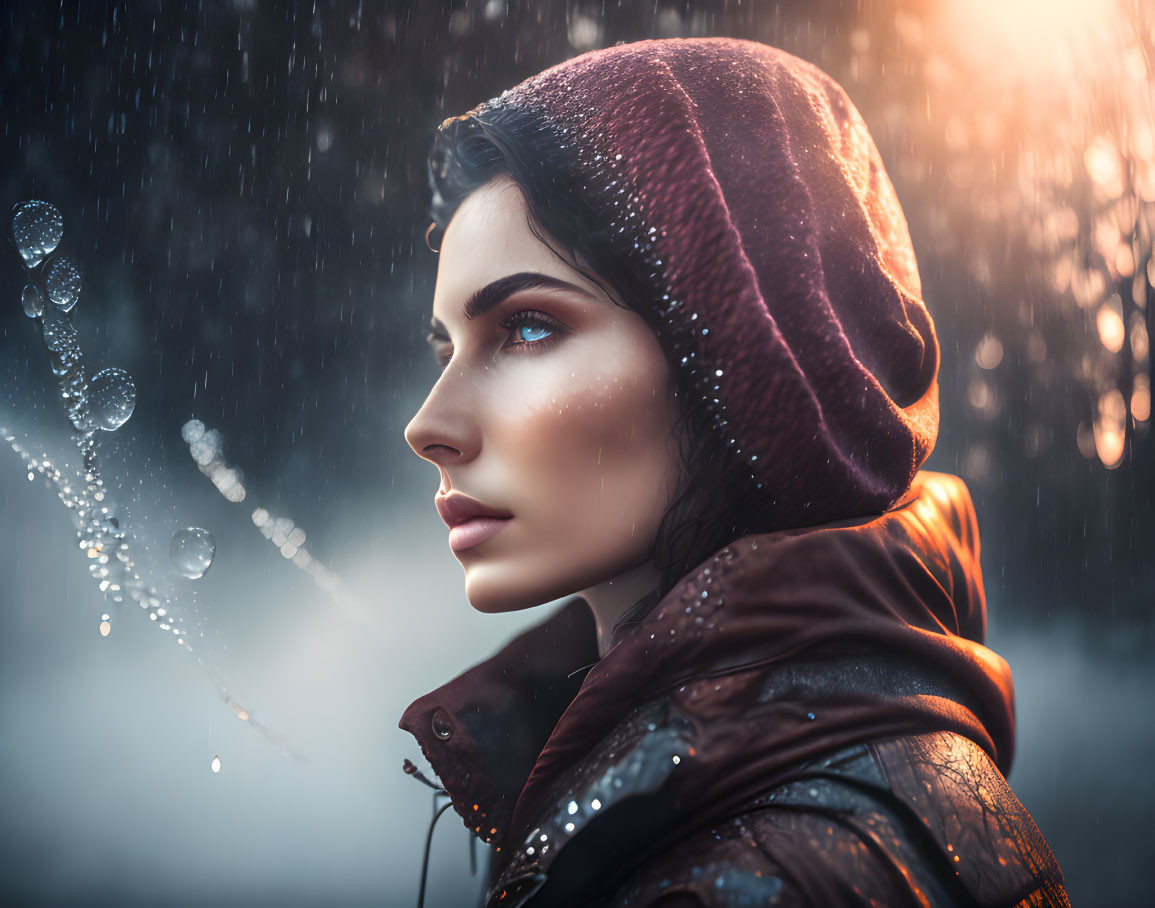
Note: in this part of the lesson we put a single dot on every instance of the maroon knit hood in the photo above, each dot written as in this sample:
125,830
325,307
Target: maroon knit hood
758,202
505,736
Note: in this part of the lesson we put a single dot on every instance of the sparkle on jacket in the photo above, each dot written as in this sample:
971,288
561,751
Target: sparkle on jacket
808,718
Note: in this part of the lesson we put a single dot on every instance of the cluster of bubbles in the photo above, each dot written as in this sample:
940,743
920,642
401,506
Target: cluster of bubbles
206,448
53,284
290,541
104,402
100,537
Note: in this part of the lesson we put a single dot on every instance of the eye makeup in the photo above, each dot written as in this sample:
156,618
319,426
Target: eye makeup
530,318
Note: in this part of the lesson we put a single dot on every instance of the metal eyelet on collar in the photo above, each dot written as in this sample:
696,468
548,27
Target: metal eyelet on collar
442,724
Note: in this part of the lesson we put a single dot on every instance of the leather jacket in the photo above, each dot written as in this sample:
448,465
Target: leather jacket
763,755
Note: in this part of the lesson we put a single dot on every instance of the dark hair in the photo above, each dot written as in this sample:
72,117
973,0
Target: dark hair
717,500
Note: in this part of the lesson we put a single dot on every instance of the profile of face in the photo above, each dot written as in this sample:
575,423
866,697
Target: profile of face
555,406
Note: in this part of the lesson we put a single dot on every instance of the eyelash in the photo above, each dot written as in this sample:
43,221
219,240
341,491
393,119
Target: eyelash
521,319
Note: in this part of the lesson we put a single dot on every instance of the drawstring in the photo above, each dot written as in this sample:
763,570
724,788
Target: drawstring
438,792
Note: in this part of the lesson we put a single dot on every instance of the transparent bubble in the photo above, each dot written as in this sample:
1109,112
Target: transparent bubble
37,228
32,301
111,396
62,341
63,283
192,551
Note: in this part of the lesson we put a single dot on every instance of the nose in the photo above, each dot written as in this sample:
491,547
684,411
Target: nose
445,429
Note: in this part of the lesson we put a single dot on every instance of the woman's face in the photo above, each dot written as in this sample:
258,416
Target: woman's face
554,406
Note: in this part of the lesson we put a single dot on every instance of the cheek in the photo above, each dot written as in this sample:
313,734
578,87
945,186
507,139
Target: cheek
591,447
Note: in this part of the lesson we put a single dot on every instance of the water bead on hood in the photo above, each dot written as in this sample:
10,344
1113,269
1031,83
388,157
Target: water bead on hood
753,199
37,228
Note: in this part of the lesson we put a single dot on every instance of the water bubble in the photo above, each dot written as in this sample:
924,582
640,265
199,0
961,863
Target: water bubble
112,395
63,344
37,228
32,300
192,551
63,283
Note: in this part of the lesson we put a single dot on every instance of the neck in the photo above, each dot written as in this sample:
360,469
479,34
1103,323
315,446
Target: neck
610,599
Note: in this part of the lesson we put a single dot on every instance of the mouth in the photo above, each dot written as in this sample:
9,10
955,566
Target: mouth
475,531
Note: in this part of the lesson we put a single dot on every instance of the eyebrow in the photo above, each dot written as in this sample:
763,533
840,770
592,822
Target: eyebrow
494,294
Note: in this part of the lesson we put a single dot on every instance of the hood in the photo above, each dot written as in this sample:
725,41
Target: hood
904,586
743,186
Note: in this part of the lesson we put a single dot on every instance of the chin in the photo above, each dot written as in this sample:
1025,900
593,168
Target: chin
493,589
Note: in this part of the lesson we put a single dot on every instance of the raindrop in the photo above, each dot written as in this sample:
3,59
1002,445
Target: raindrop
215,766
192,551
105,628
37,228
112,395
33,302
63,283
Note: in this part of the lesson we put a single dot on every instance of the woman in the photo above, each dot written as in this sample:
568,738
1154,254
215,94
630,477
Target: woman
688,382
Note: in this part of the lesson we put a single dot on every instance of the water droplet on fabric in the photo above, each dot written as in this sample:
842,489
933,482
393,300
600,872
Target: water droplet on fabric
192,551
37,228
112,396
442,725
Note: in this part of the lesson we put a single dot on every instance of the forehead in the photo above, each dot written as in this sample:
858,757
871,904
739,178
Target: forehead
488,238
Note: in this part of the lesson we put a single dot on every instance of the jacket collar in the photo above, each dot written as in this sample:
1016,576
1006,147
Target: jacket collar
482,731
507,736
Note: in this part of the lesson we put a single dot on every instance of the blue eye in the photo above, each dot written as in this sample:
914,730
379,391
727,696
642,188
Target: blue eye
532,330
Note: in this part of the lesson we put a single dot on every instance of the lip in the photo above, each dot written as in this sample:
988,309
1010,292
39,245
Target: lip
456,509
474,532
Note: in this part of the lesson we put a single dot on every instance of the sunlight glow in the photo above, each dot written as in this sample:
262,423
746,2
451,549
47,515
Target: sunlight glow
1027,40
